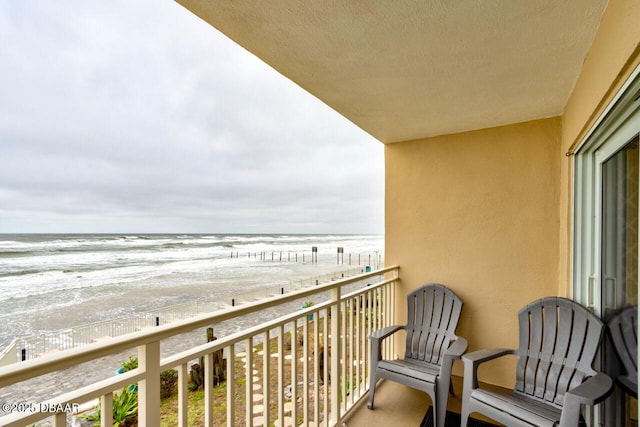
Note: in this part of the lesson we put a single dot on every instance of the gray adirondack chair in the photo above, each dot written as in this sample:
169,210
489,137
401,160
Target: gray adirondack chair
431,347
558,341
623,329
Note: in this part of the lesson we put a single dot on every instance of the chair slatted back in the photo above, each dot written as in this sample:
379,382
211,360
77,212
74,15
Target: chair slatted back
433,313
559,339
624,334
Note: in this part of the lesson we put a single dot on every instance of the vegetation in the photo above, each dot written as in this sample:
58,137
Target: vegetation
125,409
125,403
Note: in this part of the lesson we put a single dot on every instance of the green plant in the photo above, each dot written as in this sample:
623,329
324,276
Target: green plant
125,409
168,382
130,365
308,304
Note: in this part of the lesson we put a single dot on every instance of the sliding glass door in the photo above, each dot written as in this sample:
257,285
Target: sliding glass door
606,233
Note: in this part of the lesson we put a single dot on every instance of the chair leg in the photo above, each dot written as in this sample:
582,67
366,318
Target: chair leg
375,355
464,418
440,403
372,389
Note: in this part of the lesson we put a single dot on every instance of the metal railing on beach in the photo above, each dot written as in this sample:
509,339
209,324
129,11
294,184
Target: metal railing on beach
310,364
30,347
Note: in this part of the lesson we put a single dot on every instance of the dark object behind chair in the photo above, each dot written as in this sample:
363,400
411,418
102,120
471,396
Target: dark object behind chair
623,329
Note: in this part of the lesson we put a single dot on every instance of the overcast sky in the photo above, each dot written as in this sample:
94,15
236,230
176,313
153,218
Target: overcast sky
136,116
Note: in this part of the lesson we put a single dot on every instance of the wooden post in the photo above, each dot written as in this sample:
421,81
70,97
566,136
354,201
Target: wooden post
219,364
214,370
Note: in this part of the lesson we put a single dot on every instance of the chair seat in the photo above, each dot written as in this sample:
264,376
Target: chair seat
519,406
417,369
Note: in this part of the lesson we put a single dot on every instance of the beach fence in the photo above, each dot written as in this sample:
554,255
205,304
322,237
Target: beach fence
38,345
371,259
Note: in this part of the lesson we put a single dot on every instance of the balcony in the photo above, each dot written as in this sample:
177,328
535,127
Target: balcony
277,372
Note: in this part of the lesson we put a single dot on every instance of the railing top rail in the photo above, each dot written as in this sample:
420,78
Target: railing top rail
36,367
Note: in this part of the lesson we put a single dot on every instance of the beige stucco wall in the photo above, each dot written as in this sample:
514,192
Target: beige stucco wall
478,212
615,52
489,212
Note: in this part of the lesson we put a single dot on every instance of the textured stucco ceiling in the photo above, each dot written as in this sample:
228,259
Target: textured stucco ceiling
403,70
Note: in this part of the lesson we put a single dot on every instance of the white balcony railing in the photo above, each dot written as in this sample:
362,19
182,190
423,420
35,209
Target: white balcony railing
283,358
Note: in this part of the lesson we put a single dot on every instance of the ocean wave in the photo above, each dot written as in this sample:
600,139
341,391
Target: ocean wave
48,270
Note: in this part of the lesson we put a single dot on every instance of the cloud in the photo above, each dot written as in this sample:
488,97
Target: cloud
139,117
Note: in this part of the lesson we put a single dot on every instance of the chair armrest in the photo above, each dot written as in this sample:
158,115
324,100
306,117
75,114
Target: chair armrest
480,356
471,362
595,389
385,332
376,342
453,353
457,349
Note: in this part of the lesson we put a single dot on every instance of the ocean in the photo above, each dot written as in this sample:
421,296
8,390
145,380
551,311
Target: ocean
53,282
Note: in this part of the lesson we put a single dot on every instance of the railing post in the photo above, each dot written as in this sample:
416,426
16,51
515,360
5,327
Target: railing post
266,378
106,407
208,390
183,398
231,381
149,387
60,419
335,416
248,376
